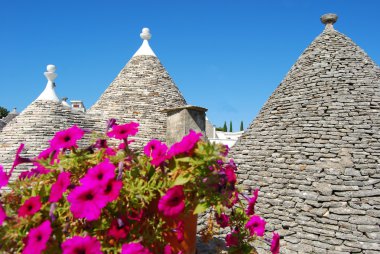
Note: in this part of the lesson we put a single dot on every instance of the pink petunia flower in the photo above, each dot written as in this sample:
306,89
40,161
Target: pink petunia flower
4,177
230,174
119,229
18,159
223,220
49,153
275,245
34,172
173,202
256,225
157,151
180,231
232,239
112,190
110,123
134,248
185,145
168,249
3,215
251,203
84,245
67,138
30,206
37,238
100,174
87,202
59,187
123,131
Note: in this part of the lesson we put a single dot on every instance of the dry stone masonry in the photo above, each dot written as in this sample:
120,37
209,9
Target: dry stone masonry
314,150
34,127
141,92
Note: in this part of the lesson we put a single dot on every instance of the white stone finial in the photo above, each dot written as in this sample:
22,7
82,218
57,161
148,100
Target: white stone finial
145,34
145,49
49,93
50,73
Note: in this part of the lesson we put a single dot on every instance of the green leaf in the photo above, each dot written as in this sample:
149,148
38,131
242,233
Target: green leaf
181,180
201,207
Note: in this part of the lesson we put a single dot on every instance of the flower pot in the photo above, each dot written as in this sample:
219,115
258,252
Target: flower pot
189,244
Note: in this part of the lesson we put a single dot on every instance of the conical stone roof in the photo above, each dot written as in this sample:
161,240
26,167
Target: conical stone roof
141,91
35,126
314,150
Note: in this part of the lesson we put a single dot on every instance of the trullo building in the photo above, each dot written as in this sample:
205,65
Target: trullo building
36,124
141,92
314,150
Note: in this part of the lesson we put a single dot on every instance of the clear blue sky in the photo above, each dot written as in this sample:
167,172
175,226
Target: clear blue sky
227,56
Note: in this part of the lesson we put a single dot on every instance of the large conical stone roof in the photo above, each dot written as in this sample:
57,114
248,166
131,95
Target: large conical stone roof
36,125
141,91
314,150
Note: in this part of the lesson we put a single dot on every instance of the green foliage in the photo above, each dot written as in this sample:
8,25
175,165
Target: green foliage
225,126
241,126
201,171
230,126
3,112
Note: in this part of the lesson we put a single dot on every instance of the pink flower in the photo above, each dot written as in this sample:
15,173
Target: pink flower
232,239
67,138
39,170
112,190
84,245
119,229
180,231
123,131
134,248
59,187
230,174
37,238
251,203
87,202
30,206
110,152
18,159
3,215
157,151
110,123
275,245
256,225
223,220
168,249
4,177
100,174
173,202
185,145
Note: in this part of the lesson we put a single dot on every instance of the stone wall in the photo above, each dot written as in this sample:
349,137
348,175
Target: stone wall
314,152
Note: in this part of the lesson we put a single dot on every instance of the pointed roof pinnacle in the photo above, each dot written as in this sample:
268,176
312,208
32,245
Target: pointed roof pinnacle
49,94
329,20
145,49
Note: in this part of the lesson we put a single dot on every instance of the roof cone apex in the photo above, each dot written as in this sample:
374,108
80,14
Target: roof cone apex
49,93
145,49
